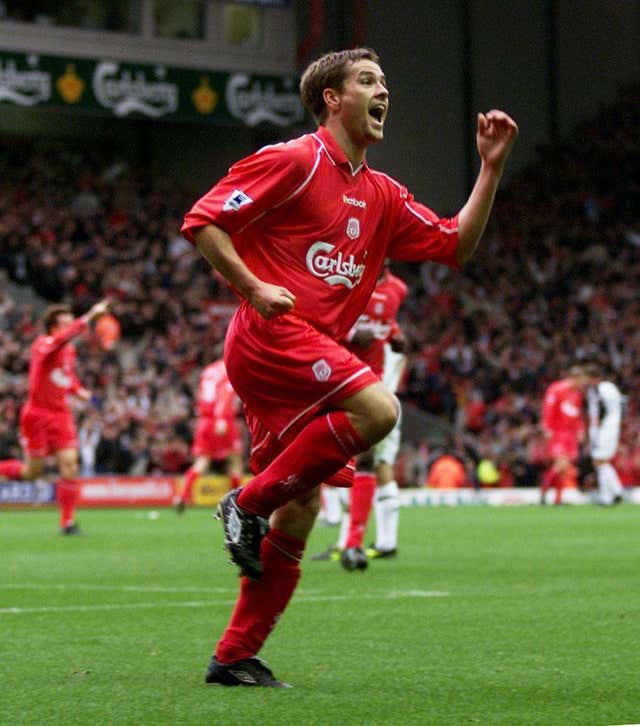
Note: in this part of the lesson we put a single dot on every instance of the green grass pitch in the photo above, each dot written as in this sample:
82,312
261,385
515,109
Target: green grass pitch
489,615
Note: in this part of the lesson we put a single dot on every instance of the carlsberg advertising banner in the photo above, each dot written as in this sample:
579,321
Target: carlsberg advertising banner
152,91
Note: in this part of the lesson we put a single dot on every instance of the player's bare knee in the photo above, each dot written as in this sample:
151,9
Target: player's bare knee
32,470
69,470
373,413
386,415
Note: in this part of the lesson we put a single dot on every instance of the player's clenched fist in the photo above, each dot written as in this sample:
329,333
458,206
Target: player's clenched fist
497,133
98,309
271,300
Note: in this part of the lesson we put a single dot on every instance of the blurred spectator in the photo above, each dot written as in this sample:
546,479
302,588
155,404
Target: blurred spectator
89,433
111,456
447,472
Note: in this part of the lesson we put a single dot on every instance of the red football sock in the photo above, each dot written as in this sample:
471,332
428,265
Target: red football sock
362,493
260,604
67,494
189,480
322,448
548,480
567,479
343,478
11,468
234,481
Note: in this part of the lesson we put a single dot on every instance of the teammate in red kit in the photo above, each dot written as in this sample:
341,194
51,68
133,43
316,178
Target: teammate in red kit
301,230
564,428
217,436
46,422
376,328
378,323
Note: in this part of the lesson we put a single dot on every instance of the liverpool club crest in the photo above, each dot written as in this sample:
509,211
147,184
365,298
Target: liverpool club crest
353,228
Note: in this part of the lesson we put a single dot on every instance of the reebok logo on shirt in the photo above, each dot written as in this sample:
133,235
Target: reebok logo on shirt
235,200
354,202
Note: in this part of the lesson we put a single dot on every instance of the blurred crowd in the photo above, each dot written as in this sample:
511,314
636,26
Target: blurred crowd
554,283
76,228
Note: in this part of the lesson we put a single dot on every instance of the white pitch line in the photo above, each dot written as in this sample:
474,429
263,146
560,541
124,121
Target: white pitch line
112,588
218,590
393,595
108,606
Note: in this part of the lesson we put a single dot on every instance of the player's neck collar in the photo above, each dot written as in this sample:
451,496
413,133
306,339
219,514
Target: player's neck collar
335,151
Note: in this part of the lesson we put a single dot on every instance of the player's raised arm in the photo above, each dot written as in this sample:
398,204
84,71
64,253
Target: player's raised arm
59,334
495,136
97,310
216,246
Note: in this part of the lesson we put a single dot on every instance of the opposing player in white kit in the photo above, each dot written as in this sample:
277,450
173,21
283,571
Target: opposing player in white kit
605,404
386,505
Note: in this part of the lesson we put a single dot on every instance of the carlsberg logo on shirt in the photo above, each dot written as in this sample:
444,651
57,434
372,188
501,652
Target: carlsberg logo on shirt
60,378
337,270
379,329
569,409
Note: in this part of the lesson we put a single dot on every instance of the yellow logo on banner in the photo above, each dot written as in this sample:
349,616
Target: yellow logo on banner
204,98
70,86
208,490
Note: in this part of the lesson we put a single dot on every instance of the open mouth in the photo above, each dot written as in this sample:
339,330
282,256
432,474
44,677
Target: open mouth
377,112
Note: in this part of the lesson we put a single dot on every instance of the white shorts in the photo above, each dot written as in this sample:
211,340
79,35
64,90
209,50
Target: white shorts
386,451
393,367
605,444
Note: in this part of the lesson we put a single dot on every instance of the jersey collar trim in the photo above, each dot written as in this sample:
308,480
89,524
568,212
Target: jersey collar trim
334,151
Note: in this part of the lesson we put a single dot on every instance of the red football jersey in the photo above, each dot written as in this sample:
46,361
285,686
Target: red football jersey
380,318
300,216
216,398
562,409
52,368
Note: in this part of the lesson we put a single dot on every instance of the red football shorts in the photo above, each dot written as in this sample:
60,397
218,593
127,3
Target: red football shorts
44,432
286,372
563,445
216,438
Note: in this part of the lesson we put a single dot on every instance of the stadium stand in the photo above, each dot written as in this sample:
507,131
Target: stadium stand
555,282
